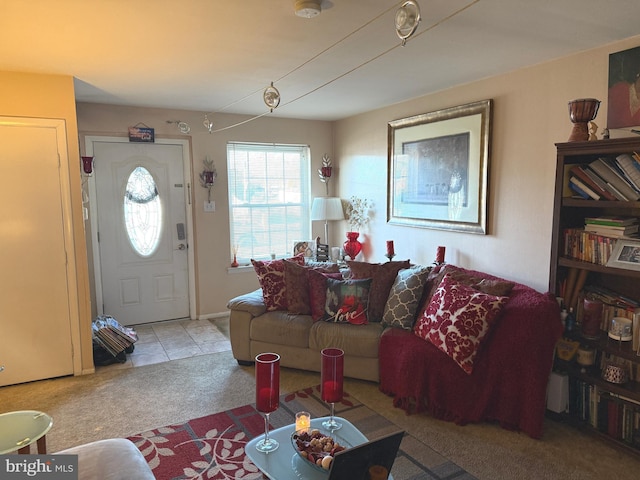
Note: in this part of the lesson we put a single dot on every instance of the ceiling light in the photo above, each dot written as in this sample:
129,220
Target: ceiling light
307,8
407,19
271,97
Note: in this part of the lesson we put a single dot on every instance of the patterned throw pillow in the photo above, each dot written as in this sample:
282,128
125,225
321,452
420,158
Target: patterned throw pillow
458,319
271,278
404,297
347,301
318,292
296,280
383,276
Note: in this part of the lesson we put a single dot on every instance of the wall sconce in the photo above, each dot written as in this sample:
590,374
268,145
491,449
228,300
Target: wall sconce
208,175
87,165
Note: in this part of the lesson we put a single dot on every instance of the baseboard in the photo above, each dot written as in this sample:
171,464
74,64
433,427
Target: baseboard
213,315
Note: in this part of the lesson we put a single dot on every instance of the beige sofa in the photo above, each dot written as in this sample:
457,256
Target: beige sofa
298,340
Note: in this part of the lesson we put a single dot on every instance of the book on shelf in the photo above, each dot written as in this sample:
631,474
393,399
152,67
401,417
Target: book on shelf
630,168
612,176
579,172
602,184
587,246
582,189
615,232
612,221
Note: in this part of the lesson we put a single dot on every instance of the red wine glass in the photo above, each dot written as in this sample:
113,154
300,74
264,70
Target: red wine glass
267,394
331,374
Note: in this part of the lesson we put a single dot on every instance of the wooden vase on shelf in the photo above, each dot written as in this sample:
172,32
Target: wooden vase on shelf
352,247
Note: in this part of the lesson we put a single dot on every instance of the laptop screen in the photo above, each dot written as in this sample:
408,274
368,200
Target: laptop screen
354,463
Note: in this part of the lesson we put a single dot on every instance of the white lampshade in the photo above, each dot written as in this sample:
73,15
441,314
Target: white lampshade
327,208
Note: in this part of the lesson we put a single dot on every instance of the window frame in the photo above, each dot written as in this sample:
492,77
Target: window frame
272,218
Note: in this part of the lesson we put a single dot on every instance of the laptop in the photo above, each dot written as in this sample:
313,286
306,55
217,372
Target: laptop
354,463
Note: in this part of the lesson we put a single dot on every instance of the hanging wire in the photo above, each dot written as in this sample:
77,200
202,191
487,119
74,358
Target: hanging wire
416,35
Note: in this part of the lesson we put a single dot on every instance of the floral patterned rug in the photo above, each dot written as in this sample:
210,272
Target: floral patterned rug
212,447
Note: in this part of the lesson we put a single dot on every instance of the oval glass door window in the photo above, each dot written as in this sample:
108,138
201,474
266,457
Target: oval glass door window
142,212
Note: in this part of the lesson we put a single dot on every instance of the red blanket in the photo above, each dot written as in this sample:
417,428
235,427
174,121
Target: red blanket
509,380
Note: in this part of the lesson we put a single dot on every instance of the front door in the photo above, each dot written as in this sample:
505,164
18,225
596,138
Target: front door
142,231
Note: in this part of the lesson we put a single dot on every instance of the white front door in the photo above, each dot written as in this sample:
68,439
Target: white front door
38,299
142,231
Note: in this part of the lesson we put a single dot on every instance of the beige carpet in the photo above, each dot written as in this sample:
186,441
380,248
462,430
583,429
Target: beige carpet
120,402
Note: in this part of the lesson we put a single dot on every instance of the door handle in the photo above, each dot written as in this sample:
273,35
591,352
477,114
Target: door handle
182,246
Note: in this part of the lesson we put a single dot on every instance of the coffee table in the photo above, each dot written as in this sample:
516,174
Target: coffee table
285,463
18,430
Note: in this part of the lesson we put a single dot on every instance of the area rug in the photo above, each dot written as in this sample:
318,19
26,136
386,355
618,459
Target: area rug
212,447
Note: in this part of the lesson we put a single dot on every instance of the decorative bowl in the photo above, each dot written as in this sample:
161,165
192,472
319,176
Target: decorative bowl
315,444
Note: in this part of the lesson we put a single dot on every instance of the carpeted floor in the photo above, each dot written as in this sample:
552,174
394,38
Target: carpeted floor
121,403
213,446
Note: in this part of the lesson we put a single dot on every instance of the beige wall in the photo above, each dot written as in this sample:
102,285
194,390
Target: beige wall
52,96
530,115
216,283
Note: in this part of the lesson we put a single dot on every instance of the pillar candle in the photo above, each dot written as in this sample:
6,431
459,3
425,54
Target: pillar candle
390,251
440,255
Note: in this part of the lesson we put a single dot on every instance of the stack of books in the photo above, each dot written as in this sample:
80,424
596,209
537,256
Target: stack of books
612,226
112,336
607,178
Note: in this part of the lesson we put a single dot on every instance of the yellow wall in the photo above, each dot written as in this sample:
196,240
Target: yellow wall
52,96
530,115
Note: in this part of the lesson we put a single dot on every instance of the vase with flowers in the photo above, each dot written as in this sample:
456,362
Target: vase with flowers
357,212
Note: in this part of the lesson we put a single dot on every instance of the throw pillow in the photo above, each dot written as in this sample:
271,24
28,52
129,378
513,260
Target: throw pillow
296,280
347,301
458,319
382,276
318,292
271,279
404,297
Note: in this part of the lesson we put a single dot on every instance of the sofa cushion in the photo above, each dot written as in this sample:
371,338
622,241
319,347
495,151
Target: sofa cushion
355,340
404,297
271,278
458,319
383,275
347,301
251,302
281,328
318,292
296,279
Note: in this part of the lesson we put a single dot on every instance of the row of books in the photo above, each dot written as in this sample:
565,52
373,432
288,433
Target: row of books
614,415
607,178
587,246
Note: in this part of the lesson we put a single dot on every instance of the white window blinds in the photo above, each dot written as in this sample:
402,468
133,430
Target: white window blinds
268,198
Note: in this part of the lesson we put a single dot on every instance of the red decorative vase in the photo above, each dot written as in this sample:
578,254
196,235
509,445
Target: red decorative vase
352,247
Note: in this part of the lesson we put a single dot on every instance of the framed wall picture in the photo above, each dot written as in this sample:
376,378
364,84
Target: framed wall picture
623,107
438,166
306,247
626,254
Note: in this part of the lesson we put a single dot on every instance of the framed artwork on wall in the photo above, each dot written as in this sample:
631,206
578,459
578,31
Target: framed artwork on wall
438,166
623,107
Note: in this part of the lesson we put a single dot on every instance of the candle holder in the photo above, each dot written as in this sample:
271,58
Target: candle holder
303,421
390,256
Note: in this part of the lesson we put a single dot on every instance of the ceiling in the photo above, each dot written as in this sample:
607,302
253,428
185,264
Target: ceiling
219,55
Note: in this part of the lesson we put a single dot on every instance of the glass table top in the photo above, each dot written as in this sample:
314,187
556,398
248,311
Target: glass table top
22,428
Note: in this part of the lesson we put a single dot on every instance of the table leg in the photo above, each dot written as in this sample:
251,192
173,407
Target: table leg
24,450
42,445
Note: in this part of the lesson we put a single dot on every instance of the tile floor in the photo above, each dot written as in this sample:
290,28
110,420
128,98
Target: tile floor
174,339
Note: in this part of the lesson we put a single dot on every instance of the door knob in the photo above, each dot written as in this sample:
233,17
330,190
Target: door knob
182,246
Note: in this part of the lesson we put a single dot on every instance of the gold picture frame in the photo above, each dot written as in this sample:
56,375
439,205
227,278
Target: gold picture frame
438,169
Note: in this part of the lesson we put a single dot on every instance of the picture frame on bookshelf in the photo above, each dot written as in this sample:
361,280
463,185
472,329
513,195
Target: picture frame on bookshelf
438,165
626,254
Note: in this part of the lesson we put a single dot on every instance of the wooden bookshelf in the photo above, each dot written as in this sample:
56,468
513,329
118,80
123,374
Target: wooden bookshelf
570,212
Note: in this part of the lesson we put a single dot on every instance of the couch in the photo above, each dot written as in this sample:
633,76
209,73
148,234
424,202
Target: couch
501,378
110,459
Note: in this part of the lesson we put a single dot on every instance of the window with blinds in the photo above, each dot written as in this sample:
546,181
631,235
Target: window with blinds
268,199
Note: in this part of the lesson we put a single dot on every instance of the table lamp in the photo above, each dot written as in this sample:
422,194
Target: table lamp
327,208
